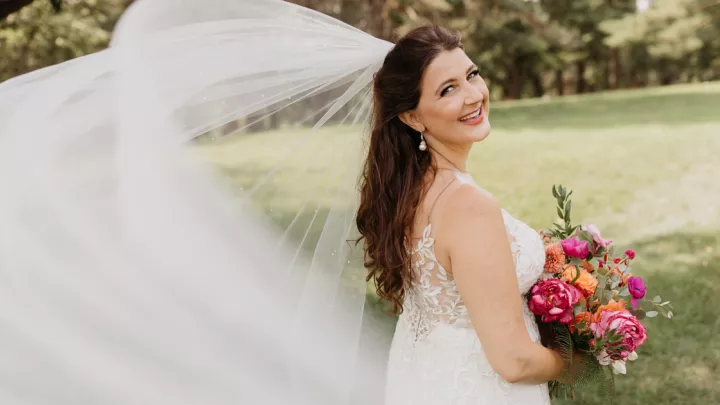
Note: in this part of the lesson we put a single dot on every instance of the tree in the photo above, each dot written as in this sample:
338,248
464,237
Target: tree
523,47
37,36
8,7
677,39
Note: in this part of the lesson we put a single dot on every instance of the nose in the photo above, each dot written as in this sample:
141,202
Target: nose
473,95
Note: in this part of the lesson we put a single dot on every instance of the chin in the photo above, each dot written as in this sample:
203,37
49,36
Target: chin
481,131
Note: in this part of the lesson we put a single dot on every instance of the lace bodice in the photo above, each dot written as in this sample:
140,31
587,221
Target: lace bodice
436,357
434,297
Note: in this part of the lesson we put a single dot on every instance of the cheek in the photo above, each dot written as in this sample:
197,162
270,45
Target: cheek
448,109
482,86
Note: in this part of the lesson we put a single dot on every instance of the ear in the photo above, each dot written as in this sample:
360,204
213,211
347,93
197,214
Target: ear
411,119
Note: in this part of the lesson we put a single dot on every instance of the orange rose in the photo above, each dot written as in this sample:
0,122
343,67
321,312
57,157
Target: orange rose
610,306
586,283
583,316
587,266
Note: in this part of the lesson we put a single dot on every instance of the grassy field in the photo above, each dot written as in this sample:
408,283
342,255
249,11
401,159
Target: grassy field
644,167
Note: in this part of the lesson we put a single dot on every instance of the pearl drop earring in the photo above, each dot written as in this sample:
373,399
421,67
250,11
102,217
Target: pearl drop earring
423,144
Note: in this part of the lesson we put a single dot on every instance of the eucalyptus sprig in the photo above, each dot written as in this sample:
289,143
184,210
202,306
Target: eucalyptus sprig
564,208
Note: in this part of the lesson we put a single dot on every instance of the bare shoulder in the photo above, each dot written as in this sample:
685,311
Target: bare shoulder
471,202
472,216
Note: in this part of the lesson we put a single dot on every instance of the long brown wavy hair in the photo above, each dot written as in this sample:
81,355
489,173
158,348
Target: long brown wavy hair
393,181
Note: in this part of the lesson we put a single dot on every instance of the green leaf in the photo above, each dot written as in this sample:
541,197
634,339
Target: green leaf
651,314
578,309
640,314
554,192
608,295
657,299
568,208
560,214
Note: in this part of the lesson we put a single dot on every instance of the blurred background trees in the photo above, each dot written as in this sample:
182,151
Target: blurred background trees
525,48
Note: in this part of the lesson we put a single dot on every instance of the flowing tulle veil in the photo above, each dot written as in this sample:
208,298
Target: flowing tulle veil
174,222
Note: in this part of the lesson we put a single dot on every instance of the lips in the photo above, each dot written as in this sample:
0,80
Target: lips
474,118
471,115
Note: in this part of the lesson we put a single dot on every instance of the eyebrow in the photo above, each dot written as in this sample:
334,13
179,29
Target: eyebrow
448,81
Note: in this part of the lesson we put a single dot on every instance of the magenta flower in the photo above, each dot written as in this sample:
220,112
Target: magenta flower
637,289
630,253
576,248
553,300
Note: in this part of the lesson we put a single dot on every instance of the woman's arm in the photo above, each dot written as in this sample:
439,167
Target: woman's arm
481,261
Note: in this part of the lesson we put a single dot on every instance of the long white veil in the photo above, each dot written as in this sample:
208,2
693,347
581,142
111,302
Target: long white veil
174,220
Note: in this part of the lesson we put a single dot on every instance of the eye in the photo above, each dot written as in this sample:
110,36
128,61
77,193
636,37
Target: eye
474,73
445,90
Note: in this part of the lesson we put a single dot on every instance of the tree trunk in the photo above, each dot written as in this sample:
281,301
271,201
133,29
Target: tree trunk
613,69
581,83
376,21
516,81
559,82
538,89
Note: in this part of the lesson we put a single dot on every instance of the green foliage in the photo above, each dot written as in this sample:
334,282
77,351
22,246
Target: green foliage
678,36
564,208
523,48
38,36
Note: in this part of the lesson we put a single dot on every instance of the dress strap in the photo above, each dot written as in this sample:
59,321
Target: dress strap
432,207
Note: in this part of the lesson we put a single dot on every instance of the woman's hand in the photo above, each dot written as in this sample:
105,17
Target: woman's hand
575,368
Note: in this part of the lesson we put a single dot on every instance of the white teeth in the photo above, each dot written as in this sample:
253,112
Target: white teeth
471,116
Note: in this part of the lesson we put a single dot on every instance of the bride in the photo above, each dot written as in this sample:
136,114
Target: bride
133,273
465,335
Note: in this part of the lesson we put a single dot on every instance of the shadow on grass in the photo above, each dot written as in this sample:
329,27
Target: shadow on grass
680,361
597,112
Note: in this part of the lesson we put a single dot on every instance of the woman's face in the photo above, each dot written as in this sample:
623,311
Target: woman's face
454,101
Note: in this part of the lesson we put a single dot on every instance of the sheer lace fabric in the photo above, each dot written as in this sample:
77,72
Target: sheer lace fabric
436,357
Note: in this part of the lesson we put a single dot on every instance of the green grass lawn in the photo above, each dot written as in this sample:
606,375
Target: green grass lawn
644,167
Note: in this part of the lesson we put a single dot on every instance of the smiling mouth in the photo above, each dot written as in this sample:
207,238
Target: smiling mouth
472,116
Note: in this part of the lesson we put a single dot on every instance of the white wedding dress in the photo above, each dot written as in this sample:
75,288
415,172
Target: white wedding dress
436,357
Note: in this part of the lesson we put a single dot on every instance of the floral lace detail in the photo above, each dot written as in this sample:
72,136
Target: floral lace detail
436,357
434,297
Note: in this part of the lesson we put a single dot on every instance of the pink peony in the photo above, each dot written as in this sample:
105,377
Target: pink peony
595,232
623,323
554,300
576,248
637,289
630,254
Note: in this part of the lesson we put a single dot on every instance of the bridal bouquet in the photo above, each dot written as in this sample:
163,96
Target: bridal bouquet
588,302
